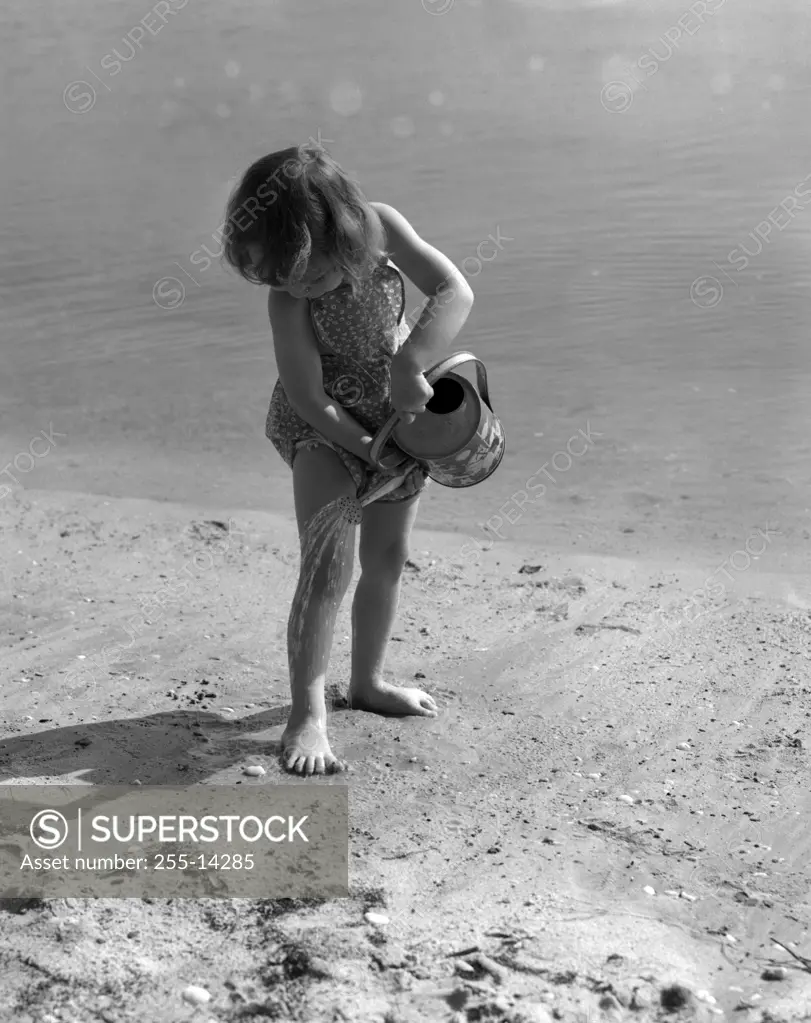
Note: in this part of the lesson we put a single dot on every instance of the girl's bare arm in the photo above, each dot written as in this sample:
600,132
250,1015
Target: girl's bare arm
450,297
299,364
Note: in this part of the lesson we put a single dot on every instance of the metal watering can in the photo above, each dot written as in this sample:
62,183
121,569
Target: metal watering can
457,439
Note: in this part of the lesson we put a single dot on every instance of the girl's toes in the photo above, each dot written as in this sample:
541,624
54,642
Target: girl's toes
297,764
318,766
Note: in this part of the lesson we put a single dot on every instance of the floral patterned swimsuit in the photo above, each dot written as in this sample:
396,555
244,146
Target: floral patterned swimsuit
357,338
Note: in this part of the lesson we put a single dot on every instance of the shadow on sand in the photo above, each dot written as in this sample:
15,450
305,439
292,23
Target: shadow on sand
178,747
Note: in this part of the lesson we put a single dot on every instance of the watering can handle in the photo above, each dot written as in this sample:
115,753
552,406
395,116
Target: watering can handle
433,374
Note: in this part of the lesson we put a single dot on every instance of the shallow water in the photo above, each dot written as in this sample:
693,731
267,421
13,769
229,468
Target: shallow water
484,121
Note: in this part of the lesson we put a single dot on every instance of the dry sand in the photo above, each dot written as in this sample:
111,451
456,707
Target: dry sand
497,827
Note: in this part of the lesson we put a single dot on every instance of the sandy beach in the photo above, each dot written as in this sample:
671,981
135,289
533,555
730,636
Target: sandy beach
606,820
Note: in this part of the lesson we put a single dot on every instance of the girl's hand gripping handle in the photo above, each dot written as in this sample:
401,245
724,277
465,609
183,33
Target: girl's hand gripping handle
410,391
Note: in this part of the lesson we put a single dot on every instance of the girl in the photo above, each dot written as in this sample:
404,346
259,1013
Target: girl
346,361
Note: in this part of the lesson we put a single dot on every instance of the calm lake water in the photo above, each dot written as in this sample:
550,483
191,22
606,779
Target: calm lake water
496,117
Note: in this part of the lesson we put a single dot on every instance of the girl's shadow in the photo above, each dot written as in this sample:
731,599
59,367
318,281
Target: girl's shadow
179,748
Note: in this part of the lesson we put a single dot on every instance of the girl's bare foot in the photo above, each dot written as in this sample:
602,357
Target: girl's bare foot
384,698
306,749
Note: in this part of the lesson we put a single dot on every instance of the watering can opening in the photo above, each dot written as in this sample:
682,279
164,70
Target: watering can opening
448,396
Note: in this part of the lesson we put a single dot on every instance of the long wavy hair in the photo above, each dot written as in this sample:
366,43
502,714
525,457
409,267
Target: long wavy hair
295,202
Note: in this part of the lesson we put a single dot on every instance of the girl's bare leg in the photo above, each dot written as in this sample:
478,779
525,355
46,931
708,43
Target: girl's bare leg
319,478
383,553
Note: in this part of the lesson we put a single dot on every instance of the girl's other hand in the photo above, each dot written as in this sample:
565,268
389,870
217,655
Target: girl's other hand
393,460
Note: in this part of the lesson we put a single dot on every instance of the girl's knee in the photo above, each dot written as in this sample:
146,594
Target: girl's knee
326,572
388,560
327,582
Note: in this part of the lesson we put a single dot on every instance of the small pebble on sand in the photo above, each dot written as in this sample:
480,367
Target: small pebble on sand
196,995
684,745
775,973
228,710
626,799
255,771
690,898
610,1004
376,918
595,775
412,760
648,890
705,996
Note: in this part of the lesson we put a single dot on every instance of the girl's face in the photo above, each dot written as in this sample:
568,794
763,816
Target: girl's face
321,276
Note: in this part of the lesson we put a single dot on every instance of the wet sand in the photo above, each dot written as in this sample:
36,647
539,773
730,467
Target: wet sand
565,682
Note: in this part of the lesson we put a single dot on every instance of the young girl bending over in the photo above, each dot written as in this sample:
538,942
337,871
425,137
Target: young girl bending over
346,360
